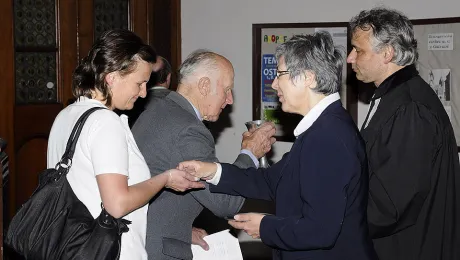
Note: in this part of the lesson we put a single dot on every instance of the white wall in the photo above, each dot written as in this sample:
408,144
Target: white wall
225,26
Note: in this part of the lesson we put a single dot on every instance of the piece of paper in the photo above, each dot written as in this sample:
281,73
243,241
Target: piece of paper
440,41
222,246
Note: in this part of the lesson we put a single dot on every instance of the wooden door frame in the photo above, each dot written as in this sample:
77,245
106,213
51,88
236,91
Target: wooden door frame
7,92
176,34
168,13
139,18
68,46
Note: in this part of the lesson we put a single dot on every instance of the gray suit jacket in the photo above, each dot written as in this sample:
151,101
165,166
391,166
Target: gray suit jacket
167,133
141,103
157,93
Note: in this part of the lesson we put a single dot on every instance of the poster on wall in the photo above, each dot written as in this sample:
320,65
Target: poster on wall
270,106
269,96
268,75
440,81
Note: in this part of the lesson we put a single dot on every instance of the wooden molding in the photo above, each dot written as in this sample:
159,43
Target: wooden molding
138,22
85,27
176,36
67,48
164,18
7,90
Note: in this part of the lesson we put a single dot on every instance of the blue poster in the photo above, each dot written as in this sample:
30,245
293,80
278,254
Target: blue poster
268,75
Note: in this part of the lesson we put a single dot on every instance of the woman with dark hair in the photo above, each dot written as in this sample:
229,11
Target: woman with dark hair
108,167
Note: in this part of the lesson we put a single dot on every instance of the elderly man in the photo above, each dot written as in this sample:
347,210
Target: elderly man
320,186
171,130
414,186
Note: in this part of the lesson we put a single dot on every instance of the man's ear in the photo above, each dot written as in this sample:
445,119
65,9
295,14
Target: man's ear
204,86
168,80
388,54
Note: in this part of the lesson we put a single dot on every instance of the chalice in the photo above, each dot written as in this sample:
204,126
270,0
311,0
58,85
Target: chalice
263,162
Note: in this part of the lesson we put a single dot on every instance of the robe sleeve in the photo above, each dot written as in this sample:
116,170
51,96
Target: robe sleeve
400,162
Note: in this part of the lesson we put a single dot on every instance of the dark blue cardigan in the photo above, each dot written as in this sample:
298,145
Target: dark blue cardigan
320,188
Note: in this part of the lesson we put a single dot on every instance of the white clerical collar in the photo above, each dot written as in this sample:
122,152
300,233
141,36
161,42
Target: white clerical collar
314,113
157,87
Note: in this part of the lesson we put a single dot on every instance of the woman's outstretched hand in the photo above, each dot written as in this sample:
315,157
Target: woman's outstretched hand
202,170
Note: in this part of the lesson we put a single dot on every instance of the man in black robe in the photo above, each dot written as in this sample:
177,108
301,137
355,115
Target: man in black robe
414,181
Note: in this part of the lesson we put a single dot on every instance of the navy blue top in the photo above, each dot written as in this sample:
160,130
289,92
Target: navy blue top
320,189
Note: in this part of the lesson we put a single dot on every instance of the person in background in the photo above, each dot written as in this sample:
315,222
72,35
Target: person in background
414,187
160,81
108,167
171,130
320,187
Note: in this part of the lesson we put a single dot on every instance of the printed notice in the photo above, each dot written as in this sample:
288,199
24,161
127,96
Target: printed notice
269,67
222,246
440,42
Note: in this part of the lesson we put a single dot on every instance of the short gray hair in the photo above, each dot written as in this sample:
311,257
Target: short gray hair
316,53
198,60
389,28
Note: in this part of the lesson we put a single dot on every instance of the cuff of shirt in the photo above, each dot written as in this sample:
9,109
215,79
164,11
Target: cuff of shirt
253,157
215,180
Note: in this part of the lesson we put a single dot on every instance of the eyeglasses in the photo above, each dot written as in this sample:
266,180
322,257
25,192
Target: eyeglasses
280,73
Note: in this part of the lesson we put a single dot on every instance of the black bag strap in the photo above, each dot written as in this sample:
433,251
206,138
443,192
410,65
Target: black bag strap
66,159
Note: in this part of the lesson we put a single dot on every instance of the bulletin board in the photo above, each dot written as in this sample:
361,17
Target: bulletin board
439,62
266,37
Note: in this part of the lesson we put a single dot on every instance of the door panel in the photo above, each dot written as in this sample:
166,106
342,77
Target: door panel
7,93
32,126
31,160
39,51
45,51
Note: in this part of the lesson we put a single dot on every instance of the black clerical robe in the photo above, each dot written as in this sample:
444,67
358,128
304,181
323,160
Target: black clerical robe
414,181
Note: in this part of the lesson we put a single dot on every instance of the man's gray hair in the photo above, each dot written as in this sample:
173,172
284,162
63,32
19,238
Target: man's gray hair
198,61
316,53
389,28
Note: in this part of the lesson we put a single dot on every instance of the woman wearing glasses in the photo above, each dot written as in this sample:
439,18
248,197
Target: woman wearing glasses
320,187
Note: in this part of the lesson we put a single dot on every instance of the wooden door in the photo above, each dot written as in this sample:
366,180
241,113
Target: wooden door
38,56
43,40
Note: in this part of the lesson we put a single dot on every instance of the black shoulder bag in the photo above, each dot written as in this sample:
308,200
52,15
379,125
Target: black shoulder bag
55,224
